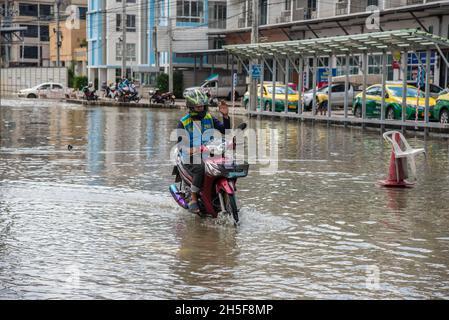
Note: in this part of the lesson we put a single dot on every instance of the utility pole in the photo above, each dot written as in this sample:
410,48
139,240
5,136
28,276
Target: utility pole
124,51
156,22
7,22
58,39
170,54
254,39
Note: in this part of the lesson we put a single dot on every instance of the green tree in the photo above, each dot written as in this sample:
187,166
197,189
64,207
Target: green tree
178,83
162,82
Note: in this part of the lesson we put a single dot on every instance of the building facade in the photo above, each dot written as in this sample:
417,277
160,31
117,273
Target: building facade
307,19
31,47
73,49
148,35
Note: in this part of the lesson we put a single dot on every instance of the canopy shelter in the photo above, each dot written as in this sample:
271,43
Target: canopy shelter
296,53
359,43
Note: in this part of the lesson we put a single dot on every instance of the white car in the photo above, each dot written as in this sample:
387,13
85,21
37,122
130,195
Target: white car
47,89
338,95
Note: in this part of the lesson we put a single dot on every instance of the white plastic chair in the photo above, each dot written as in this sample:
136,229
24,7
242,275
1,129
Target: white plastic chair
409,153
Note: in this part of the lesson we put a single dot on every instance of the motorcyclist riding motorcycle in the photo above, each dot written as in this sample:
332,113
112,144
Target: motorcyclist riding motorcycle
196,122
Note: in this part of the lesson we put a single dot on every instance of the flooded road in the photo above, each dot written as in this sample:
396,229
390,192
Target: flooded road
99,222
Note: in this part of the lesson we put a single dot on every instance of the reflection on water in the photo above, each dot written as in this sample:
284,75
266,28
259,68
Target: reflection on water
99,222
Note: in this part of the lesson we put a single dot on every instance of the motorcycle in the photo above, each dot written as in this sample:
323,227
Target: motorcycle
217,194
109,91
127,94
158,97
89,94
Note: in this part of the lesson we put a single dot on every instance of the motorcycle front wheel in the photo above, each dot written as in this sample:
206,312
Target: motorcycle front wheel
231,206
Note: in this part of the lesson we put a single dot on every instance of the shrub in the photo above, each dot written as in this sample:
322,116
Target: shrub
79,82
162,82
178,84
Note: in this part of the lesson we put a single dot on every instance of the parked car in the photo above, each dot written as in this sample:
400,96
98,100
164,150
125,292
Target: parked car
221,87
47,88
435,90
338,95
393,102
441,110
292,97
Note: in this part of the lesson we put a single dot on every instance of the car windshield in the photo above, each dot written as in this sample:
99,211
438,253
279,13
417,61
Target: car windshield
411,92
281,90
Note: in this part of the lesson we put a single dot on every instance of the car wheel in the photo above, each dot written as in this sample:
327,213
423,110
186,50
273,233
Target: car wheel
390,114
358,112
31,96
444,116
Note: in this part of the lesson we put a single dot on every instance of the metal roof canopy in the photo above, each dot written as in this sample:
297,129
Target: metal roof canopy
402,40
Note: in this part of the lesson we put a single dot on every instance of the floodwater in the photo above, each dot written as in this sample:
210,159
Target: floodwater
99,222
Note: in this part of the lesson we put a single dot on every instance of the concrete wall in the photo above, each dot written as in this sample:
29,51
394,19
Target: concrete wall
15,79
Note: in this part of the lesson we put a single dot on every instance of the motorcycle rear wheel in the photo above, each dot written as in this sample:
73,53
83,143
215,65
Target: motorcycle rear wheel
231,206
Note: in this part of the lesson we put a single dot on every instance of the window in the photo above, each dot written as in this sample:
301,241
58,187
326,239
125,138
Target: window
374,91
57,86
218,43
263,13
338,88
82,12
189,11
287,4
217,16
435,89
374,64
44,34
130,23
44,86
31,31
131,51
45,11
26,9
28,52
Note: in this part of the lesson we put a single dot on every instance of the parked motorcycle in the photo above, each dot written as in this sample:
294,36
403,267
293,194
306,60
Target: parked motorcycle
127,93
158,97
109,91
89,93
218,192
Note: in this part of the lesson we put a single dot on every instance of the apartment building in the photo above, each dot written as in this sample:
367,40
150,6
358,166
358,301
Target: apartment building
73,49
148,35
31,47
305,19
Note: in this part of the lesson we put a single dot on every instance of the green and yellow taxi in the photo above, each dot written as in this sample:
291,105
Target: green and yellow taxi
441,110
292,97
393,102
